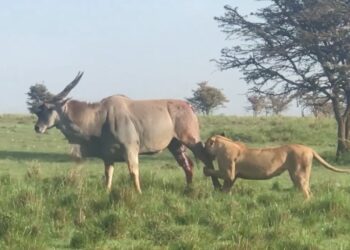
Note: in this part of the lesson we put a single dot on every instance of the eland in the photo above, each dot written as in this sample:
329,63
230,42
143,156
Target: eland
119,129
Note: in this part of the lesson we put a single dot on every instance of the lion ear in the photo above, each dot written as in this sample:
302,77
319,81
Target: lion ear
222,134
211,141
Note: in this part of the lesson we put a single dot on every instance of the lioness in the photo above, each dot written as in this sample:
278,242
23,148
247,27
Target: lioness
235,160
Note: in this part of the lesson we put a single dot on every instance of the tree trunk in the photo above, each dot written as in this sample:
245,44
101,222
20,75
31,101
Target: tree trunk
343,128
342,137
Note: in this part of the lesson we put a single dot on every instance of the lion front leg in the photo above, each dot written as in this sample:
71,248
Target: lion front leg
227,172
209,172
228,183
229,180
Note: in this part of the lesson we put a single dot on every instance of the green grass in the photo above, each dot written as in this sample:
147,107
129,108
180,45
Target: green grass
49,202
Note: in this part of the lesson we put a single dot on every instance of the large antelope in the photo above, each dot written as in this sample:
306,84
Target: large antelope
119,129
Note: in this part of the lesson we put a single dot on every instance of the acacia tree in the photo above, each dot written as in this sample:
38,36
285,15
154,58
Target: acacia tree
277,104
257,104
295,47
207,98
37,94
316,106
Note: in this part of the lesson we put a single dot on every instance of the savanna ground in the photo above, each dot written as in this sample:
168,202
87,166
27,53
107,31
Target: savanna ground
49,202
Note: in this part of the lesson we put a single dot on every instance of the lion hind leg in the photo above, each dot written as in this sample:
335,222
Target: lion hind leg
301,181
305,173
305,188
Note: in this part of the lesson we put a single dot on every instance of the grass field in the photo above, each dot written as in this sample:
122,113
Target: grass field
49,202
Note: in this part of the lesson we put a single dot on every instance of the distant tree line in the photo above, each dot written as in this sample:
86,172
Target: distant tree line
267,105
275,105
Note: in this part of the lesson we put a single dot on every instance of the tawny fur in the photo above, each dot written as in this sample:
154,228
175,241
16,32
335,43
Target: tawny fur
235,160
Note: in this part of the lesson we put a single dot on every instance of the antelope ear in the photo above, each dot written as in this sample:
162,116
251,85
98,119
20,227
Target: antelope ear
64,101
49,105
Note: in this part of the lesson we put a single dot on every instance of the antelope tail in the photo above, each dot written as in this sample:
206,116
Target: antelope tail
328,166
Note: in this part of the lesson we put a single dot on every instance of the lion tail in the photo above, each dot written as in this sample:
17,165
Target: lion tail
329,166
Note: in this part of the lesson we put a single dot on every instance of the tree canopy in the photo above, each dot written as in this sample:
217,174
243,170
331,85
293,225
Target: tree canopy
207,98
294,48
257,104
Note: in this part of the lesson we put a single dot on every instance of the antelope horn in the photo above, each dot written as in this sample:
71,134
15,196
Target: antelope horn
68,88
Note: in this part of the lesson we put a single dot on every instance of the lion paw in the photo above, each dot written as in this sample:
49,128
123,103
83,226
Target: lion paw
206,171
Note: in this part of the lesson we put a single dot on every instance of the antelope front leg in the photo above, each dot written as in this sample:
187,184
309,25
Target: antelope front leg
228,183
109,175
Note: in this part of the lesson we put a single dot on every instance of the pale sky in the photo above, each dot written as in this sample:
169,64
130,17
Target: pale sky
143,49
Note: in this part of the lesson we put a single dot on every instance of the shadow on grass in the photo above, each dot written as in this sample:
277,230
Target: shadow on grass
40,156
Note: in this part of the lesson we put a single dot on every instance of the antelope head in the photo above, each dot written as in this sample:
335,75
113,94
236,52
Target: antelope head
47,114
